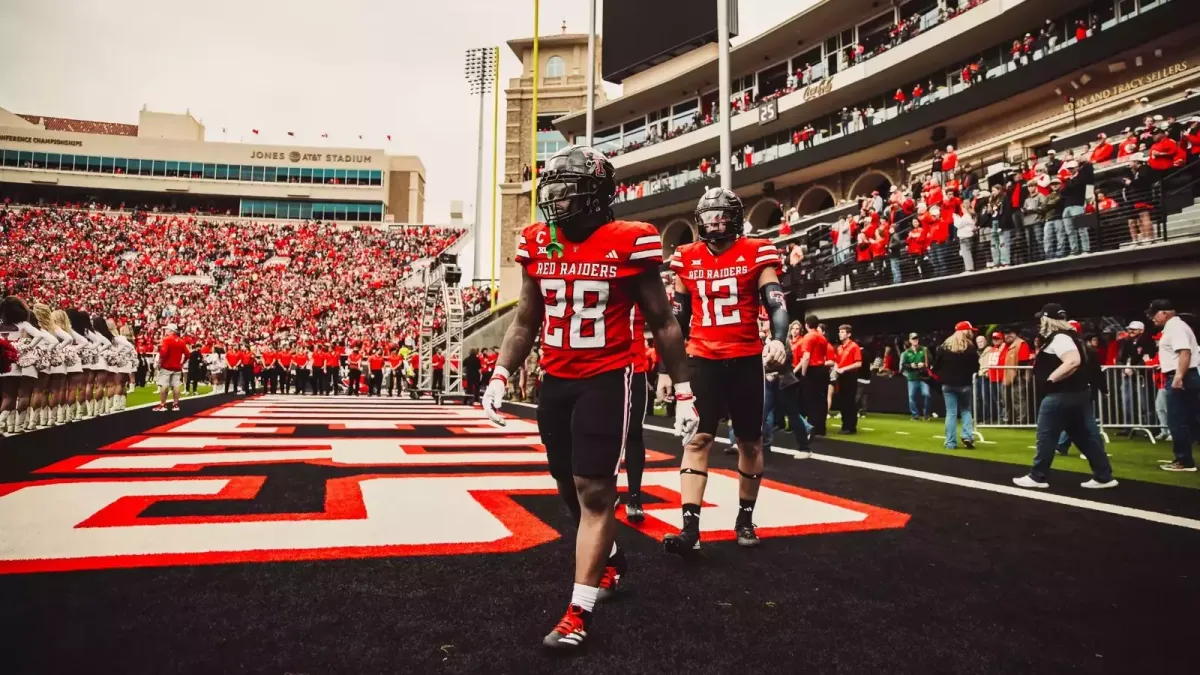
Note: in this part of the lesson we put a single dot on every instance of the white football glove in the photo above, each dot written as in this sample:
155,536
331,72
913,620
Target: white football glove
686,417
493,396
774,354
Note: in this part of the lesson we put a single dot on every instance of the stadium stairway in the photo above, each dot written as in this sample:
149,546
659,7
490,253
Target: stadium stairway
1186,223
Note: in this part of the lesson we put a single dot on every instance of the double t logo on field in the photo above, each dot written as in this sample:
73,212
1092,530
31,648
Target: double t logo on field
423,480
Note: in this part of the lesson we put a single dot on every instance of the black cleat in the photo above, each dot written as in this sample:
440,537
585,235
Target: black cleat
968,443
746,536
570,632
686,543
614,573
633,508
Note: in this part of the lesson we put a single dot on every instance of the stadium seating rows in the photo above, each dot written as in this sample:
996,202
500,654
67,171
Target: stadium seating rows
225,281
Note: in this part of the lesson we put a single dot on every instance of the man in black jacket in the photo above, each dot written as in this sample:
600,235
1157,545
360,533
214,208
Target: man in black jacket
1074,199
471,367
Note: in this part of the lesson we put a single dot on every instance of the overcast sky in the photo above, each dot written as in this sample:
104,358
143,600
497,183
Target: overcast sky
342,67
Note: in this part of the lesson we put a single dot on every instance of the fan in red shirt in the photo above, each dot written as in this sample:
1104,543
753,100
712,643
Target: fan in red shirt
1103,151
582,273
300,362
848,360
172,352
721,282
439,369
1165,153
812,370
375,368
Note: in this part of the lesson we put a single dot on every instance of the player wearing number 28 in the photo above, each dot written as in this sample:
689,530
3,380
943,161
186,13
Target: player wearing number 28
721,282
582,275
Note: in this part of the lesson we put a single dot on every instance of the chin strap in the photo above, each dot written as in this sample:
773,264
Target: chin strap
554,248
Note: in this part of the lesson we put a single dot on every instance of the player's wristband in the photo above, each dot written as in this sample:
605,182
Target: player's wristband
501,373
683,391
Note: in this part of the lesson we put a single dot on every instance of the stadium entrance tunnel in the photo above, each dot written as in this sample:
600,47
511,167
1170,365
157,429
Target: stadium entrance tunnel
869,182
815,200
764,215
677,233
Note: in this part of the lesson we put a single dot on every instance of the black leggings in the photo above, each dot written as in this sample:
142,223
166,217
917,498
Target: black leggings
635,442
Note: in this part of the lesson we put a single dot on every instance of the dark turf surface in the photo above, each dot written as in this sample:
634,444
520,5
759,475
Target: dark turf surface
976,583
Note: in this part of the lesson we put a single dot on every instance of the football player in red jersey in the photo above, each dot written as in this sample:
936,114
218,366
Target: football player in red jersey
720,282
582,274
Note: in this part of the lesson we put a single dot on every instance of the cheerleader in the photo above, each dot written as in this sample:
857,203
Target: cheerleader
105,389
126,360
17,384
72,382
49,366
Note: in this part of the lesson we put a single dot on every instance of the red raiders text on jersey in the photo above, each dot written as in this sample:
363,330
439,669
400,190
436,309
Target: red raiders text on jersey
724,291
587,328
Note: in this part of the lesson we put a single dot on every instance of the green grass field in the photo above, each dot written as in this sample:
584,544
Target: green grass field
1136,459
149,394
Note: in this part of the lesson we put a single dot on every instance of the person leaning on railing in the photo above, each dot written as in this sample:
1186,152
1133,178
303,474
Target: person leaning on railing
1061,375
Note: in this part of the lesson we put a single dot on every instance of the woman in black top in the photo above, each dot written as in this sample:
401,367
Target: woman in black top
1061,373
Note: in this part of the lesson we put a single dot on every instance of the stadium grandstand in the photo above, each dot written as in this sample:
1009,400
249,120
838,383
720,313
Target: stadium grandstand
238,244
888,116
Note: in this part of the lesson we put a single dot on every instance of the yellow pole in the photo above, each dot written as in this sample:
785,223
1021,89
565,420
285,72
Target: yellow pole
495,154
533,138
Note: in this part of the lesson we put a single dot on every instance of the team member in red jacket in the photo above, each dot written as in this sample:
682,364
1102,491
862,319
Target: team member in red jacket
171,355
375,368
319,379
354,365
439,370
233,360
396,361
300,364
284,358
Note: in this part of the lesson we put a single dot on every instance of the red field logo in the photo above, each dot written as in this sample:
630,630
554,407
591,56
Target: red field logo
95,522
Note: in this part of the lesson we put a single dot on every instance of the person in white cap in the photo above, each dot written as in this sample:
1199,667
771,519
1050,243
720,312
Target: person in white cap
172,353
1135,382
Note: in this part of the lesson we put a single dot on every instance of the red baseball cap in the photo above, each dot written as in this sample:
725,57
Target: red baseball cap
1075,324
997,334
964,325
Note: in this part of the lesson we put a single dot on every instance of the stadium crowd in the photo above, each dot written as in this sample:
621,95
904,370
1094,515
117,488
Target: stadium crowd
265,287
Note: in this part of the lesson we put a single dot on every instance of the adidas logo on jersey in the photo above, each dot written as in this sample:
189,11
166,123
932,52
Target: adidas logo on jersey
612,255
741,258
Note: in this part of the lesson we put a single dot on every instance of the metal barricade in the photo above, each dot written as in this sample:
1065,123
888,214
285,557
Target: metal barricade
1005,396
1135,403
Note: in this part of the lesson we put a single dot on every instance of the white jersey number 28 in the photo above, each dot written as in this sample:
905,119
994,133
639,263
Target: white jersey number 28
588,300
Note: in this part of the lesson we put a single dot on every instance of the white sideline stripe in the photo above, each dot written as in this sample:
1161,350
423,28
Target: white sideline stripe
1013,491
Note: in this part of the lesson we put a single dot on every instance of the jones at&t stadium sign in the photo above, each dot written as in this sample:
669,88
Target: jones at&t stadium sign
296,156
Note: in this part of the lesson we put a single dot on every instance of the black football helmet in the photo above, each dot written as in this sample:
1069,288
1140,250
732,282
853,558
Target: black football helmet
719,216
576,190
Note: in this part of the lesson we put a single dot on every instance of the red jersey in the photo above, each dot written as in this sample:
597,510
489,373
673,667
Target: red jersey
300,359
587,329
172,352
395,361
438,361
285,359
724,290
354,360
376,362
639,340
816,346
232,359
848,354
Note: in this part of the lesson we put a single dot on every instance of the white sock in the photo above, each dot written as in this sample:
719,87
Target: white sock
584,596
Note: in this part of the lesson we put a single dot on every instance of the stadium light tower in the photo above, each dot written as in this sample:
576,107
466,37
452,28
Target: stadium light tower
480,71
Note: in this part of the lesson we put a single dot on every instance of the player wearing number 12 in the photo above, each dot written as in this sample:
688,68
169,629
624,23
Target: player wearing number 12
582,274
719,281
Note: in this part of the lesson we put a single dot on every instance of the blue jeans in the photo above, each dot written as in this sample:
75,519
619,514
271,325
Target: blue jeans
915,386
1001,246
1072,413
895,263
958,402
1183,416
1051,232
1068,220
1080,239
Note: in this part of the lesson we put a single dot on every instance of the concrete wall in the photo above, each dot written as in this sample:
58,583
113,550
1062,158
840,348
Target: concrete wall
169,125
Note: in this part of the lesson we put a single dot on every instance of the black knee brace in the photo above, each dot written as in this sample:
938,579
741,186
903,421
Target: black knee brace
751,476
695,471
